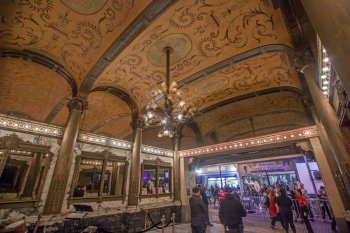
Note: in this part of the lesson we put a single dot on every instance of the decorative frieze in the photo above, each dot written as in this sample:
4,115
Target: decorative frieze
33,127
13,123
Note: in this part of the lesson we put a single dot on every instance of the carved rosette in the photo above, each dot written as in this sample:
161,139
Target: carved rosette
77,104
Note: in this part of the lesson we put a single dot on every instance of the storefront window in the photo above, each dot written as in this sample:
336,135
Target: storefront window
156,178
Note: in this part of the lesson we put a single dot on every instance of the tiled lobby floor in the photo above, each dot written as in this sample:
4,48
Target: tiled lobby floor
253,223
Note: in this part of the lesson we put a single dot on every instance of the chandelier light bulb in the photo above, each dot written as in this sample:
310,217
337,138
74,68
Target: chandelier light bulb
324,88
326,59
325,82
325,92
149,114
323,76
325,69
180,116
182,103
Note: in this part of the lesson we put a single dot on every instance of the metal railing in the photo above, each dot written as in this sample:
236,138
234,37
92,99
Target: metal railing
319,209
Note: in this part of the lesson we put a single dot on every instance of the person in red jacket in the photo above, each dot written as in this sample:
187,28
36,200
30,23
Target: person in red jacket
275,216
221,195
304,213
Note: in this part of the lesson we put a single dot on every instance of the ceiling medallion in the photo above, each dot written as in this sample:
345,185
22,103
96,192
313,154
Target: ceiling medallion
181,42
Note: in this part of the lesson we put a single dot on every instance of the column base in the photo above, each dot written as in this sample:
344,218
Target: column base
342,225
185,214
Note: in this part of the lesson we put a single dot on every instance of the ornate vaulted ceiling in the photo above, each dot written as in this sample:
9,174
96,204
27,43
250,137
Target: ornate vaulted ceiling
231,59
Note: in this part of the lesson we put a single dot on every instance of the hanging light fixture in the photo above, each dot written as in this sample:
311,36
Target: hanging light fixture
166,108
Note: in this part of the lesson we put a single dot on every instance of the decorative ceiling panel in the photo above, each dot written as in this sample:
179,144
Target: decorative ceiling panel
74,33
30,89
266,71
260,105
202,33
149,137
118,127
188,139
260,124
104,108
62,117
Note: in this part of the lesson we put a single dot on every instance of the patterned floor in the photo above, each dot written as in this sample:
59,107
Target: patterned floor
253,223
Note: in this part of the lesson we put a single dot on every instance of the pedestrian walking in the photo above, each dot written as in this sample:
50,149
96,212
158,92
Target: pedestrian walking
231,212
304,213
275,216
198,212
285,209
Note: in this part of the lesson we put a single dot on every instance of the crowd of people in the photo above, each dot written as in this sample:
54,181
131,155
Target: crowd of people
283,204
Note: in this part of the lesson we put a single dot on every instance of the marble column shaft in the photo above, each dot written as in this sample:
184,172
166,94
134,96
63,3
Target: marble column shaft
176,170
329,121
334,199
135,169
64,160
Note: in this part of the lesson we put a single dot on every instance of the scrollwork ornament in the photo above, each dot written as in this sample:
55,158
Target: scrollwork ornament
10,142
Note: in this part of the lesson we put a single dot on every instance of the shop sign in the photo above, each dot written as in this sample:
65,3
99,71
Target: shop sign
216,169
268,166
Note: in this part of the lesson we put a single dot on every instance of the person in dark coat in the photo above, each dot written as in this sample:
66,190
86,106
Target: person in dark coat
285,209
231,212
198,212
206,202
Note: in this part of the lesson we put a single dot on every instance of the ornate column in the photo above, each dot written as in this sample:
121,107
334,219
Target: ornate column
330,184
75,175
135,166
176,169
329,121
32,175
64,160
184,198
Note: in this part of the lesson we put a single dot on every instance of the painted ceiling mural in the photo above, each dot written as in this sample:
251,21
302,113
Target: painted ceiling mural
262,72
201,33
259,93
74,33
278,102
114,109
29,89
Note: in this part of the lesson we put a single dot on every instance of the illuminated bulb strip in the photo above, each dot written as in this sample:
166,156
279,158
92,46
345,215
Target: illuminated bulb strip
13,123
292,135
324,69
105,141
156,151
30,126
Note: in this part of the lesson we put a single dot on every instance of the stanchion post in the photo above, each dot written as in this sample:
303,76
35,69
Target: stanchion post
145,223
163,219
173,218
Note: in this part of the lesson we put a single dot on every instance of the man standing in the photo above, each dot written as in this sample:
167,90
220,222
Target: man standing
198,212
285,209
231,212
206,202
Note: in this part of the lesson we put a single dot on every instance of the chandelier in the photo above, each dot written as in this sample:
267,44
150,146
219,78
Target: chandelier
166,107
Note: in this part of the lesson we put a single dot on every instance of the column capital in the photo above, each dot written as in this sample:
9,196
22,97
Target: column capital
138,123
78,104
301,59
